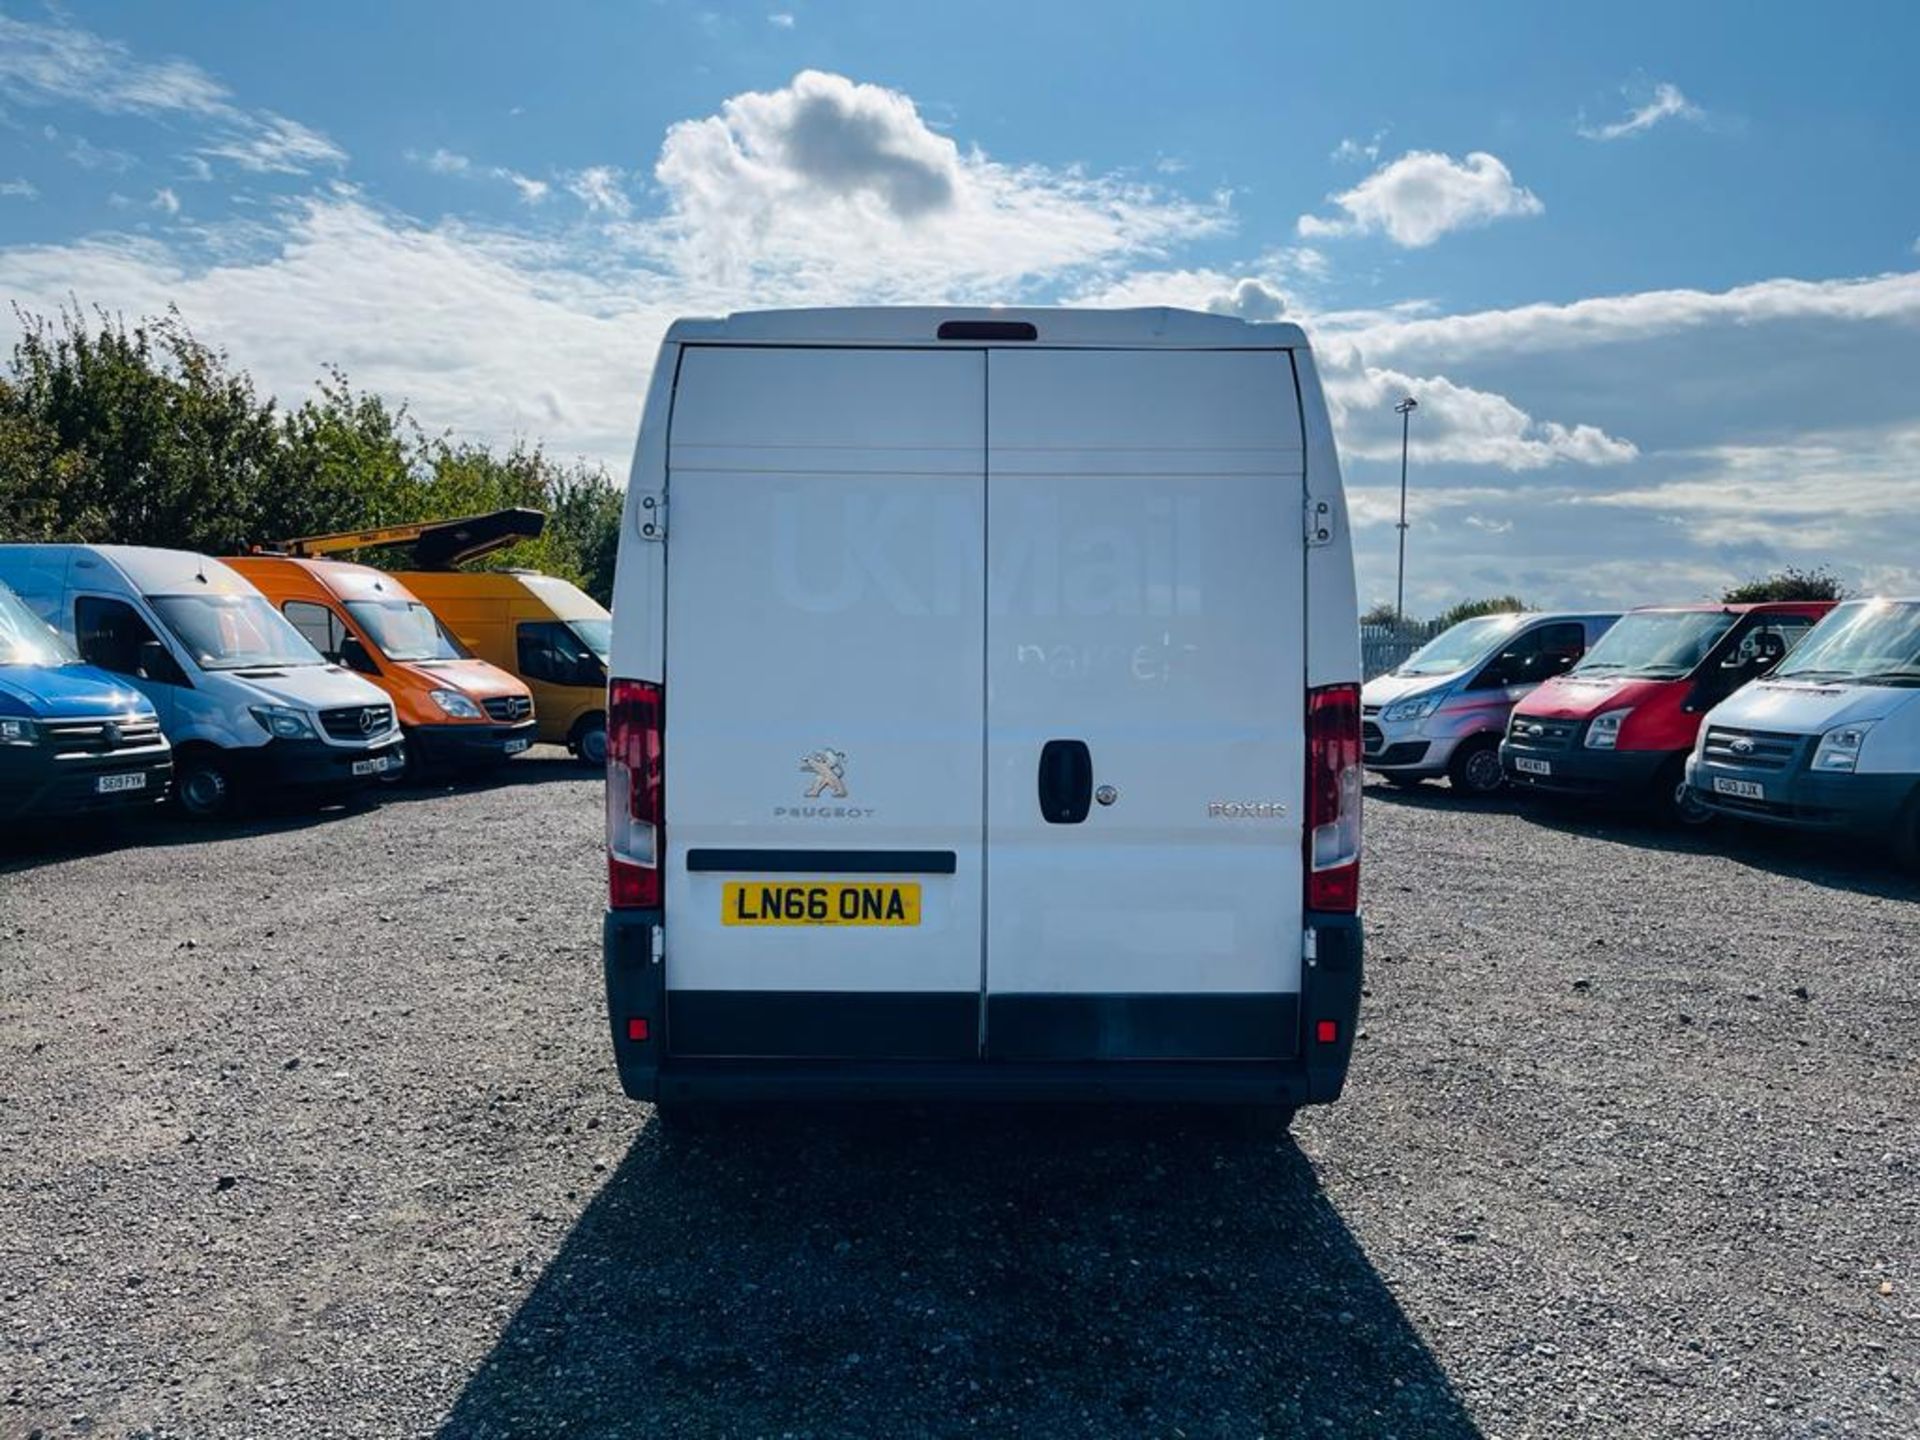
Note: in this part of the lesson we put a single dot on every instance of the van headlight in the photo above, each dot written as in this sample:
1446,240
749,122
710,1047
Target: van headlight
1604,733
1418,708
281,722
19,732
1840,748
453,703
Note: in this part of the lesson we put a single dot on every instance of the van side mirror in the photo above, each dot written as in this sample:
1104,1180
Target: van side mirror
353,655
157,665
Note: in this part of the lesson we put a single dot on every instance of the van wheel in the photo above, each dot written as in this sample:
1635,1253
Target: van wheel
1678,801
590,740
202,787
1475,768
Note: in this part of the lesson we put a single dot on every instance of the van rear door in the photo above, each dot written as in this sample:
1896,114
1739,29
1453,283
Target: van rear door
824,681
1145,679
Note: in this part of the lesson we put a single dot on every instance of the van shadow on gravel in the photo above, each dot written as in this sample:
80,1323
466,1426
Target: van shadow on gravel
986,1272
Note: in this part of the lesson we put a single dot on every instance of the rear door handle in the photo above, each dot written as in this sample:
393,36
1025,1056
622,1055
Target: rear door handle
1066,781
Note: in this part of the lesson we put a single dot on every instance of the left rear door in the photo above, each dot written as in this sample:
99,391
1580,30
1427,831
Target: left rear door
824,678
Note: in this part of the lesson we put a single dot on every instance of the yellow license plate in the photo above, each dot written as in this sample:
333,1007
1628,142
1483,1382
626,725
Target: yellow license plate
814,902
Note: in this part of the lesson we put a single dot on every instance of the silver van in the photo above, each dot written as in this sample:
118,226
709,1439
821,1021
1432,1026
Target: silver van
1443,711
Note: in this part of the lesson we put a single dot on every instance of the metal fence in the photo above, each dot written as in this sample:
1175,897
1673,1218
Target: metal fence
1384,646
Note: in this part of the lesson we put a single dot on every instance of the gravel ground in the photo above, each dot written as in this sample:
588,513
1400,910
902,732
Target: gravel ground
308,1128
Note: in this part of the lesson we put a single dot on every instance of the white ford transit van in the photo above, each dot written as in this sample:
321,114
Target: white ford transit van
249,705
984,713
1831,739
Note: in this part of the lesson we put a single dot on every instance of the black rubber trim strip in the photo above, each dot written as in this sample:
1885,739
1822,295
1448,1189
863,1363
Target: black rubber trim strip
820,862
1258,1026
849,1025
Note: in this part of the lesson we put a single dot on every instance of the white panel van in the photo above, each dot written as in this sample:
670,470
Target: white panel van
249,705
985,713
1831,739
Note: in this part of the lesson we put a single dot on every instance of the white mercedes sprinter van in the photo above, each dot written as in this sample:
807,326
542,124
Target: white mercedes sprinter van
984,714
1831,739
249,705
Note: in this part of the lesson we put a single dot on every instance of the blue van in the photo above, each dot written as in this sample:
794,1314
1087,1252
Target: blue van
73,739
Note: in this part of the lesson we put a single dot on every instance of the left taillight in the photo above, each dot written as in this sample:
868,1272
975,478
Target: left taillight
1334,779
636,818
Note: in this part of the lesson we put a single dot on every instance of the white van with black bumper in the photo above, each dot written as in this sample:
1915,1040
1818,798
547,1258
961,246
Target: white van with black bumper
1831,739
985,713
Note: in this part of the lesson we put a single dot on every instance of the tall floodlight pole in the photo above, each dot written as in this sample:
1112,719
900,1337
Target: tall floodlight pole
1405,411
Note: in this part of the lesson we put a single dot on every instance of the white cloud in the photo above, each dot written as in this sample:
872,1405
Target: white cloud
87,155
598,187
1456,424
19,190
453,164
1355,152
58,63
781,20
61,64
165,200
269,144
443,162
1423,195
532,191
1667,104
833,188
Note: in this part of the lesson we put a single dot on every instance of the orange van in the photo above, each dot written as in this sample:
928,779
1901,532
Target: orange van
456,711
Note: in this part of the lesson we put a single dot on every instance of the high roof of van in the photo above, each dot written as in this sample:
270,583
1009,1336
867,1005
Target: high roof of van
345,579
1155,327
151,571
1742,607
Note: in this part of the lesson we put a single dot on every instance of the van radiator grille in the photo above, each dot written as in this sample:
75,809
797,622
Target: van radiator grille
103,737
1532,734
509,709
357,722
1751,749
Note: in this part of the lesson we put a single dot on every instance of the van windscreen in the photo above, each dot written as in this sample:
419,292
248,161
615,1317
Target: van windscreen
233,632
1459,646
1874,642
1657,644
404,630
596,635
26,639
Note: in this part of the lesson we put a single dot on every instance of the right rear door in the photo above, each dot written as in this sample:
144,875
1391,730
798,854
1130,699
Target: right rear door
1145,670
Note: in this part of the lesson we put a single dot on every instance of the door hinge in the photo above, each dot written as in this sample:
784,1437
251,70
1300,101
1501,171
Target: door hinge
653,516
1310,946
658,944
1319,522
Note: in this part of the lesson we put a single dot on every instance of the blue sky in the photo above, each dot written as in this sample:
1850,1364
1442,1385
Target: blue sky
1651,270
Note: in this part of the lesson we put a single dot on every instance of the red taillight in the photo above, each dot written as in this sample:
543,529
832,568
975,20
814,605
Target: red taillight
1333,798
636,758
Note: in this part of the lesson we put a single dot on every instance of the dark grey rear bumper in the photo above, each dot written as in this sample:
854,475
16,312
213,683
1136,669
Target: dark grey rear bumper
925,1046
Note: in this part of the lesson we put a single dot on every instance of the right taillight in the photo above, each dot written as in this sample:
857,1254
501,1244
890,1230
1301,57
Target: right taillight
1333,798
636,761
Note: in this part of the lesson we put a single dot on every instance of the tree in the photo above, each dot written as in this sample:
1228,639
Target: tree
1382,613
1468,609
1791,583
142,435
